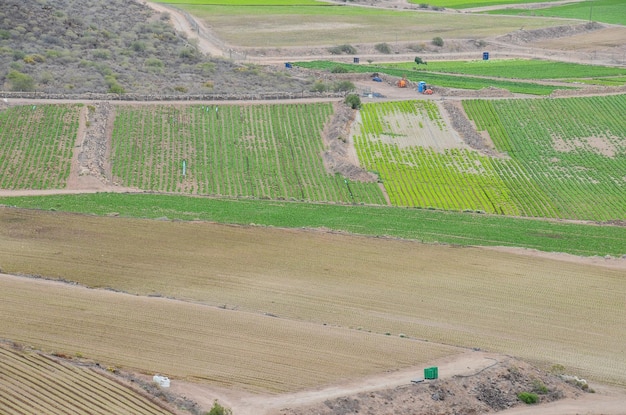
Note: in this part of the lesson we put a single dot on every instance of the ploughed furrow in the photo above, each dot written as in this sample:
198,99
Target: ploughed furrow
34,383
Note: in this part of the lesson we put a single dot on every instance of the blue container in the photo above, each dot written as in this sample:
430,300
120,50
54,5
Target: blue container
355,60
288,65
421,86
485,56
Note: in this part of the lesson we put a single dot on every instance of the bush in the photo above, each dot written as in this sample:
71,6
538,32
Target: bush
338,50
383,48
528,397
419,61
344,86
353,101
21,81
218,409
338,69
539,387
318,87
437,41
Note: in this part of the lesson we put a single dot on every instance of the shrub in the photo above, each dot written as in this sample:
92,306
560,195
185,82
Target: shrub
344,86
318,87
338,69
539,387
21,81
353,101
417,47
419,61
218,409
338,50
101,54
528,397
383,48
437,41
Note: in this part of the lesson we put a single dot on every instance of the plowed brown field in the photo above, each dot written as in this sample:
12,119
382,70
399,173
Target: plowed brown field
279,310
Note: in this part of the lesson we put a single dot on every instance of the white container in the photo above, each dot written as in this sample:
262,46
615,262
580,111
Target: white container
162,381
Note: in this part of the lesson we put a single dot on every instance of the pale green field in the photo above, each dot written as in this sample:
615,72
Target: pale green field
286,26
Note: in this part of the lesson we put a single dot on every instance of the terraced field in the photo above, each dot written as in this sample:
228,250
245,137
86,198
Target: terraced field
260,151
33,383
37,143
569,167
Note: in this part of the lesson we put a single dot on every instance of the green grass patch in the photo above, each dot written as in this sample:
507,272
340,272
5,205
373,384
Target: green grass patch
439,79
415,224
512,68
605,11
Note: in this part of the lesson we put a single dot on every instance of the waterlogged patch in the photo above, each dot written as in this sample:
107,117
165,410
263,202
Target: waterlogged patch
598,144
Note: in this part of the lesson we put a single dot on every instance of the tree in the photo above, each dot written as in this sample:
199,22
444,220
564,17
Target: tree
353,101
419,61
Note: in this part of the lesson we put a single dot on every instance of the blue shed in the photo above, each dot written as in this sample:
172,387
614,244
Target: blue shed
421,86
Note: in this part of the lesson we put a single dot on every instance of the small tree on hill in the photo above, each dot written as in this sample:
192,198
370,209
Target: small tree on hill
419,61
353,101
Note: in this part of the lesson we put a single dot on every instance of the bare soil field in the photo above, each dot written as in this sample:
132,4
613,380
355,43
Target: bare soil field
239,301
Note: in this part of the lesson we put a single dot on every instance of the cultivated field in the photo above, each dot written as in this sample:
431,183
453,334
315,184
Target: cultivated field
261,151
285,26
37,143
567,167
35,384
242,300
286,307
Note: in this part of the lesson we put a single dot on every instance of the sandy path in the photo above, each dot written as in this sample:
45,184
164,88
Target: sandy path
606,400
206,44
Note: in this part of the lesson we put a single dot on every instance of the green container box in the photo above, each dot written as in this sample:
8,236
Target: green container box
431,372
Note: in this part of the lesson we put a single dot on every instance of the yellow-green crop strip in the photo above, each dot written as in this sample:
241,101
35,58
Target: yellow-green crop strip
572,167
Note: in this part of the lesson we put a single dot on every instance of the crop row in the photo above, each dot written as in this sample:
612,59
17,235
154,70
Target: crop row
33,383
260,151
575,163
571,168
439,79
514,68
37,143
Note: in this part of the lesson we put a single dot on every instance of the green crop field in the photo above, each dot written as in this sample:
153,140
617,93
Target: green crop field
439,79
513,68
429,226
574,163
606,11
573,166
37,143
260,151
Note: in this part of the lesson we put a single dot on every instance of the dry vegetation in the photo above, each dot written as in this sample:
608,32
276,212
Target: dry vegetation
116,46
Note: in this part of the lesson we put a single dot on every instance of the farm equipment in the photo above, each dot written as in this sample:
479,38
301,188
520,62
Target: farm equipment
424,89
